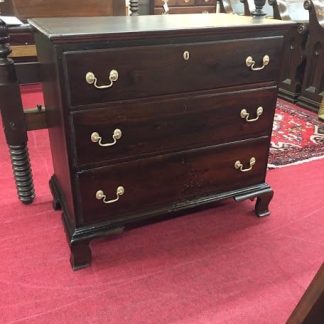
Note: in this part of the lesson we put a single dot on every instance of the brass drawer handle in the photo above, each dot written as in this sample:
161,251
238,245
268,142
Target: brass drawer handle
245,115
250,63
239,166
91,79
96,138
100,195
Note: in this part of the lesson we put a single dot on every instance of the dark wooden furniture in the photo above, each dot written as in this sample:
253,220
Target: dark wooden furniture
14,122
149,116
159,7
59,8
313,82
22,43
294,53
133,7
233,7
25,69
310,309
246,7
254,6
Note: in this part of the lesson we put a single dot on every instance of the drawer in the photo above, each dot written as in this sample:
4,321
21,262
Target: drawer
137,72
176,123
186,10
166,182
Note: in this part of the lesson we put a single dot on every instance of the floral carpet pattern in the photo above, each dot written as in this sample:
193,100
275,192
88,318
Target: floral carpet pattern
295,137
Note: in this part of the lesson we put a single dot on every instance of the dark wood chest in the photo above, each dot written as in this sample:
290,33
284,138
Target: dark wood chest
154,115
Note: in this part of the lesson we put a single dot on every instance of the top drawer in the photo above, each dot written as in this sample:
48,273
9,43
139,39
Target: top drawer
97,76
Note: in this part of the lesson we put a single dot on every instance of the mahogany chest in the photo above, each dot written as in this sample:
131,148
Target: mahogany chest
153,115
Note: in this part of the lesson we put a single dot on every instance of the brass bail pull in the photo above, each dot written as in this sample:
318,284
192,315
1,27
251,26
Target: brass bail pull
239,166
96,138
91,79
100,195
245,115
250,63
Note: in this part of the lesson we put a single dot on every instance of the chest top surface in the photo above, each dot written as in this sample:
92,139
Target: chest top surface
74,29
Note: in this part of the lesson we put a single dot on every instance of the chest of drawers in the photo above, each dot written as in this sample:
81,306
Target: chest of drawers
159,7
149,117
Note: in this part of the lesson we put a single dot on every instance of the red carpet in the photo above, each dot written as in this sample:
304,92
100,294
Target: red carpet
295,137
221,265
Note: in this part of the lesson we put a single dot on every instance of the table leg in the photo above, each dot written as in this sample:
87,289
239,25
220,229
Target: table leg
13,120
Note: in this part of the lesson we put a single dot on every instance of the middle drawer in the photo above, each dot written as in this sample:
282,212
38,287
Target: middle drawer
157,126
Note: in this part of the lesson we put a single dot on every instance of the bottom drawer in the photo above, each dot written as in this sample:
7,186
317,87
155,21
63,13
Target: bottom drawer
167,181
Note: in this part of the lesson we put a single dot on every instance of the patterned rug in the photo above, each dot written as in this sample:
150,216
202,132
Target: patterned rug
295,138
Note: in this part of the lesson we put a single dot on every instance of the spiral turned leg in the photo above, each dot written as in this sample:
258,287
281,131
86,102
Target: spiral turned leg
22,173
133,6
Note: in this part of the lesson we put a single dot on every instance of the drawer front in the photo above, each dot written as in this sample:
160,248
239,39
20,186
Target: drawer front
171,124
144,71
168,181
186,10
